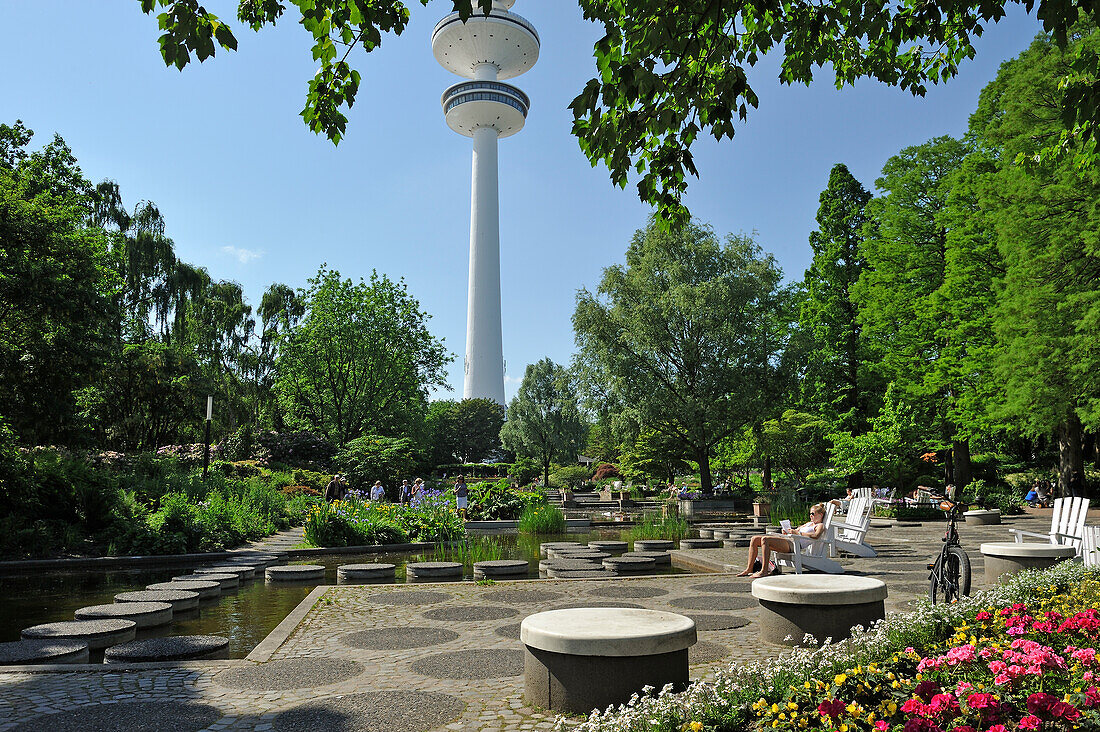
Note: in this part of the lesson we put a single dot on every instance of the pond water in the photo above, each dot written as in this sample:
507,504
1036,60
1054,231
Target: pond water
245,615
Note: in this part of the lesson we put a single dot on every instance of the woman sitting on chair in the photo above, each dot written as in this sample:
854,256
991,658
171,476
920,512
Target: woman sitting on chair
765,544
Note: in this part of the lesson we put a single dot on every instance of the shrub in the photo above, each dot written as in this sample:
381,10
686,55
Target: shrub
238,444
304,449
524,471
1004,497
353,523
498,501
371,457
606,471
542,519
569,476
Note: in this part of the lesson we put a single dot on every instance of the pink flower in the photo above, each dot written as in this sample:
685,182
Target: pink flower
964,728
919,724
926,690
913,706
1002,679
882,725
1030,722
962,688
1092,698
983,615
997,728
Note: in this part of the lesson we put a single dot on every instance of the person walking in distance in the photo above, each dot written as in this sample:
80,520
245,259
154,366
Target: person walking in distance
377,492
404,494
461,496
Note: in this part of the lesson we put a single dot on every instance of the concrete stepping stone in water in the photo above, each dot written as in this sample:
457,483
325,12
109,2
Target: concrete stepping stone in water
206,590
96,633
547,545
365,572
17,653
260,561
700,543
612,547
180,600
654,545
577,553
295,573
225,581
660,559
144,614
244,572
171,648
501,568
629,565
556,573
433,571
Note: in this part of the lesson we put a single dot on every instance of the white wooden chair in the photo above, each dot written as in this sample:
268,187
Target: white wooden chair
1090,546
813,556
850,535
1067,525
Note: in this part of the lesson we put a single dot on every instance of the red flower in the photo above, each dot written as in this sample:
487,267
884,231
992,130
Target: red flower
1092,698
1064,710
981,701
920,724
983,615
1040,702
1030,722
926,690
832,708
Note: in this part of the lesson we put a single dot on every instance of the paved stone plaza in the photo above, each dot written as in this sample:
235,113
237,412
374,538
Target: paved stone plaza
412,658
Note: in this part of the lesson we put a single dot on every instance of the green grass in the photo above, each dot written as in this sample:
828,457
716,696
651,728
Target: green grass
657,526
542,520
470,550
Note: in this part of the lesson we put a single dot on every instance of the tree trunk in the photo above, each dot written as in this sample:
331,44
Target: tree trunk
1092,449
855,480
705,484
1071,457
948,468
545,474
960,451
766,474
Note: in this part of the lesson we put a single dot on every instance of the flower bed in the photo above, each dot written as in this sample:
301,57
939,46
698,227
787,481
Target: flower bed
1020,657
356,521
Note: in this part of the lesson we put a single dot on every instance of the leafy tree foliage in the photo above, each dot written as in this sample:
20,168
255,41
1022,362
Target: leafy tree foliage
360,361
684,334
544,421
466,431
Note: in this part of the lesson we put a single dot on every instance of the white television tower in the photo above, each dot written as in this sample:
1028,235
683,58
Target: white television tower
485,49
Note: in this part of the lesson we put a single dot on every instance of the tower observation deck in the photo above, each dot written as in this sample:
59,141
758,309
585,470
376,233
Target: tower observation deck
485,50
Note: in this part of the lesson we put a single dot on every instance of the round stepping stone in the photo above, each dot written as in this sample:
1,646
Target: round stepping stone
295,573
487,663
707,652
225,581
555,573
653,545
180,600
145,716
291,673
574,564
546,545
397,639
631,589
96,633
735,543
612,547
405,597
700,543
470,613
660,559
582,553
365,572
144,614
375,711
20,652
432,571
712,602
170,648
244,572
629,565
206,590
720,534
723,587
522,596
718,622
705,533
260,561
501,568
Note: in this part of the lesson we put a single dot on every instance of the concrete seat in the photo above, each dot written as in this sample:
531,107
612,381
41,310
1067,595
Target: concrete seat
823,606
580,659
983,518
611,547
225,581
1007,558
206,590
629,565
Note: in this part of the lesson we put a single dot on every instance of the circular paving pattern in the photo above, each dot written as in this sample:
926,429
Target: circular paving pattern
486,663
470,613
712,602
296,673
522,596
510,631
597,603
723,587
416,597
631,590
377,711
130,716
395,639
717,622
706,652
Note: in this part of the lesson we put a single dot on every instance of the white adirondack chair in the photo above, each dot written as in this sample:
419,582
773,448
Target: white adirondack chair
813,556
1067,525
850,535
1090,546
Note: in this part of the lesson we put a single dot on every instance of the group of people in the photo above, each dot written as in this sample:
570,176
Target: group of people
337,490
1039,495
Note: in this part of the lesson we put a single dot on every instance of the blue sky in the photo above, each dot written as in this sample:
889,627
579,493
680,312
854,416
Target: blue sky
249,193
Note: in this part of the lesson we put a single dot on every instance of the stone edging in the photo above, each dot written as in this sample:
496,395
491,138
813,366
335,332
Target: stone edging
276,638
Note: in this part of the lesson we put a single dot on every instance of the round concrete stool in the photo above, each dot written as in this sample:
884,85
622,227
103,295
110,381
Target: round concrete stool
824,606
206,590
180,600
244,572
96,633
547,545
983,518
144,614
17,653
611,547
433,572
700,543
171,648
295,573
365,572
629,565
581,659
225,581
660,559
1008,558
501,568
653,545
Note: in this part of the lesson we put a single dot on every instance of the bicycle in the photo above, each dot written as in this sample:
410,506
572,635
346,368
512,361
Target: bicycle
949,575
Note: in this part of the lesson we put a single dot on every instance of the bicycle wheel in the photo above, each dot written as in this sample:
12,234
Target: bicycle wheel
951,581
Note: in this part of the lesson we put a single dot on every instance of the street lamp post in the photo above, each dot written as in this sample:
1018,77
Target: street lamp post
206,441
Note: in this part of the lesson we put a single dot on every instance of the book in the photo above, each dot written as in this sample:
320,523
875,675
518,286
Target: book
785,525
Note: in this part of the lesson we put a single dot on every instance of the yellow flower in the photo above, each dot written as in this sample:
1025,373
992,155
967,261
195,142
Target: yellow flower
839,679
695,726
